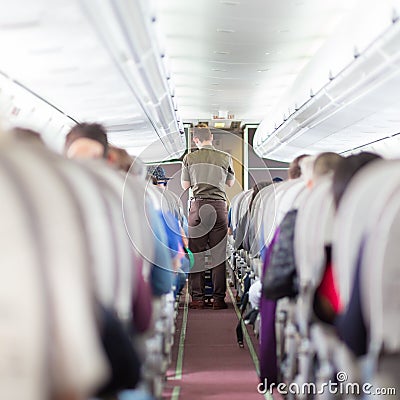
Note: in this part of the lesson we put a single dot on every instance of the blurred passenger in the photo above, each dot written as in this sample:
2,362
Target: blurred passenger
159,175
86,141
119,158
350,322
294,167
175,223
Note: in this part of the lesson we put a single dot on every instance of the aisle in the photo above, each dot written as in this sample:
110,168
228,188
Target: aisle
207,362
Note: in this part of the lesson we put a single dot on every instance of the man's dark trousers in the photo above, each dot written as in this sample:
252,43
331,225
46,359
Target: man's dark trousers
208,225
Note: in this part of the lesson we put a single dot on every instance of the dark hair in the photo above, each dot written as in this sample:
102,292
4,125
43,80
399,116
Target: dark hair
202,132
256,188
153,180
94,131
277,179
294,167
345,171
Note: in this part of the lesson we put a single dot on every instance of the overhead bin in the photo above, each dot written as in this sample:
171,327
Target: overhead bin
95,61
126,28
356,107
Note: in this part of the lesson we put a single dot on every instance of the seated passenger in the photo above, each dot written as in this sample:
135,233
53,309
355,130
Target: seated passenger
86,141
172,215
119,158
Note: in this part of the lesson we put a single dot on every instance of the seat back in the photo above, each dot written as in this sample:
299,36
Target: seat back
313,232
380,272
288,198
64,245
97,219
25,322
141,234
235,206
112,184
352,219
264,200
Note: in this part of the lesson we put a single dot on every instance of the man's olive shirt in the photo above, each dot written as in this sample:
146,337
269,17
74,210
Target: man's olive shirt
208,170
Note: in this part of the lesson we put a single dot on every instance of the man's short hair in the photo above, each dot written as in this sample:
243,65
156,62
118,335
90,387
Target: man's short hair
202,132
93,131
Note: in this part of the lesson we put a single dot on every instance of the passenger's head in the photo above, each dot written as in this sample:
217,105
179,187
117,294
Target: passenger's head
201,134
277,179
86,141
325,164
294,168
256,188
345,171
26,135
119,158
158,174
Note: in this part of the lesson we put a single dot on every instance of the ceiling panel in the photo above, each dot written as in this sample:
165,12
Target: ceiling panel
250,50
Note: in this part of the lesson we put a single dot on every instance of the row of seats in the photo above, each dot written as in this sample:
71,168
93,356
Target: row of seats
362,234
85,263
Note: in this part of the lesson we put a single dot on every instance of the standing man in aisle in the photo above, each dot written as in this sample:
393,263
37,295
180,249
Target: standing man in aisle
207,171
